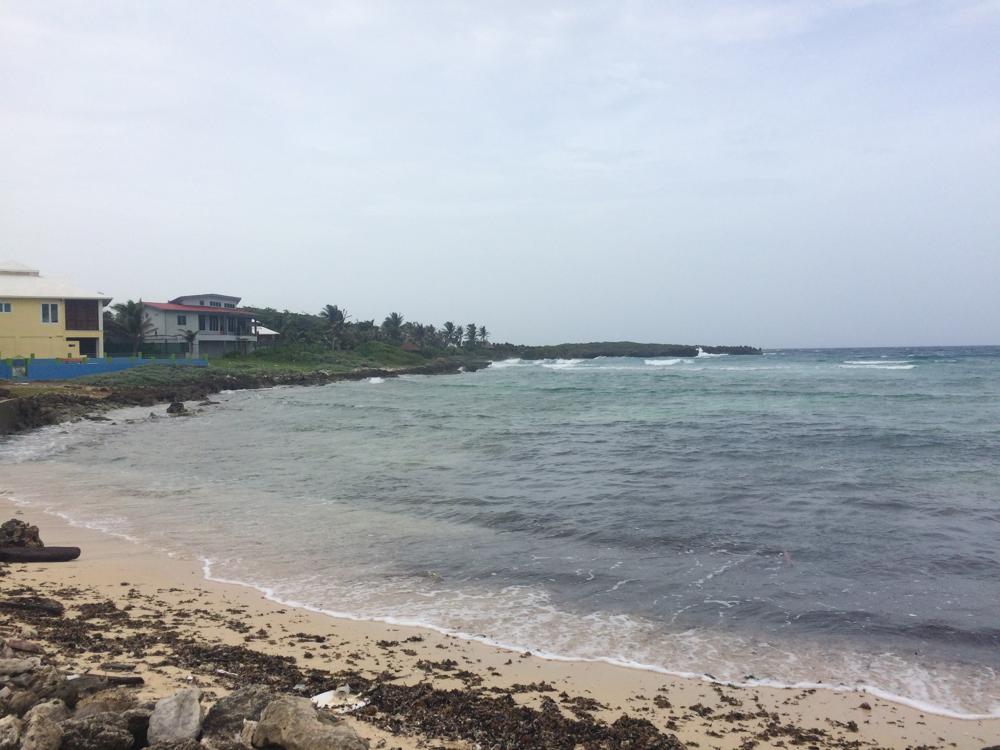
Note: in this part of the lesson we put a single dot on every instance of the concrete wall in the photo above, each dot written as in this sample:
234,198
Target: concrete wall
54,369
22,332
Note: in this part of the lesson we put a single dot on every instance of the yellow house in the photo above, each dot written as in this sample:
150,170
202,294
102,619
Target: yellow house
48,317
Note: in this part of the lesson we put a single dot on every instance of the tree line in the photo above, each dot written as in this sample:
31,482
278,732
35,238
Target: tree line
333,327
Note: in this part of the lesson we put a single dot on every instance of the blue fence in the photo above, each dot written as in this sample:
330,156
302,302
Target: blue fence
62,369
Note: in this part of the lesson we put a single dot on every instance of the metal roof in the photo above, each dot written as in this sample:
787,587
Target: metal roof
172,307
18,281
199,296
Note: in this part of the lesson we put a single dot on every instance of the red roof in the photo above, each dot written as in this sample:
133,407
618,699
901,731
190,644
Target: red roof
171,307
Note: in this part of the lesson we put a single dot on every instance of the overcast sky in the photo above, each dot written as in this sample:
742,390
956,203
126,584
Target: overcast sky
802,173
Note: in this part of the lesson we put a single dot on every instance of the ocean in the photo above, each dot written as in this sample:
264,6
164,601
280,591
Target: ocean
808,517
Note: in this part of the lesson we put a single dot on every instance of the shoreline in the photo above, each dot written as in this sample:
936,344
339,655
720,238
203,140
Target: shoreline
388,620
833,710
70,401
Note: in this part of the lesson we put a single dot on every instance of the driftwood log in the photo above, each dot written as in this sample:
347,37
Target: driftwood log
38,554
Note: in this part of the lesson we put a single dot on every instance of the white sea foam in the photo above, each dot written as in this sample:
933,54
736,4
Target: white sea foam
561,364
702,353
503,364
877,362
662,362
874,366
527,618
375,380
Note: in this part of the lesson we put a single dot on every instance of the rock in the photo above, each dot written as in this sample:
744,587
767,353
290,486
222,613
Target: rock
176,717
225,719
12,667
137,720
15,533
294,724
115,700
42,733
97,732
246,734
44,683
10,732
54,710
176,407
25,646
179,745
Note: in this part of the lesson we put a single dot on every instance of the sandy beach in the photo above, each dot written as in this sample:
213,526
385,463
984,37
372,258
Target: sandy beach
157,601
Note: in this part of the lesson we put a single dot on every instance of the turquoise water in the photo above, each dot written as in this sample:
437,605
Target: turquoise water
804,517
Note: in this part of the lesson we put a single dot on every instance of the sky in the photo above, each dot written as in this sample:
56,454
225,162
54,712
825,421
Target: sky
766,172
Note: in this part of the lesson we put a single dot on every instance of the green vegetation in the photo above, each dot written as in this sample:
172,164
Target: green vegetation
333,329
126,322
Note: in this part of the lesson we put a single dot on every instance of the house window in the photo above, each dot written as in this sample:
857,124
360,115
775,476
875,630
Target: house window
201,322
4,307
232,325
182,320
50,312
213,322
201,302
213,303
230,305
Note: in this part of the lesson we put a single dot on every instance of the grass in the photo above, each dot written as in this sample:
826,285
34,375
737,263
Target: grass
274,362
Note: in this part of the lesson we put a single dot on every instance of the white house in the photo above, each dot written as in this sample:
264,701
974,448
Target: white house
221,326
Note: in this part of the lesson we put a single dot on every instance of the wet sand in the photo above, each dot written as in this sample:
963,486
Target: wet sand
152,593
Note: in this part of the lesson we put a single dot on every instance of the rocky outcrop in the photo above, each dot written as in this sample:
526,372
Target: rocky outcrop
107,731
26,412
225,720
10,732
15,533
115,700
295,724
42,733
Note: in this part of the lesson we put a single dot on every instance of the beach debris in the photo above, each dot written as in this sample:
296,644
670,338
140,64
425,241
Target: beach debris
38,604
295,724
133,680
38,554
176,407
338,700
118,666
24,646
176,717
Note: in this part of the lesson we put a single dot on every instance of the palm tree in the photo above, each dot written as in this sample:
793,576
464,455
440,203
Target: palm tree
449,332
131,322
336,318
483,335
392,328
470,335
190,338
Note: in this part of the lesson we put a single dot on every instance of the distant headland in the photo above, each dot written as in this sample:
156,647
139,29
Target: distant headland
595,349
